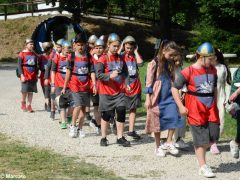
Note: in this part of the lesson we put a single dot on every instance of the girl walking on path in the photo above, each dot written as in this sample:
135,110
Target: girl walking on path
111,72
162,113
133,92
223,84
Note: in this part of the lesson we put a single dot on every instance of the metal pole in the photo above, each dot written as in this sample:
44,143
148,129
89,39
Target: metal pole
5,12
32,7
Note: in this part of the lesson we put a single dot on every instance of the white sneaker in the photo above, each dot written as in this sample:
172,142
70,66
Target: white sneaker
181,144
234,149
170,148
206,171
82,133
160,152
73,131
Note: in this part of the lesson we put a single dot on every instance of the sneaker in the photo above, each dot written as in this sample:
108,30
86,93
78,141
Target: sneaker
123,142
69,119
170,148
45,106
52,115
24,107
214,149
181,144
134,135
234,149
104,142
206,171
63,125
88,117
29,109
160,152
81,133
73,131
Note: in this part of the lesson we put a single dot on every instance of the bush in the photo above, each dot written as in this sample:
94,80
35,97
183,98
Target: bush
226,41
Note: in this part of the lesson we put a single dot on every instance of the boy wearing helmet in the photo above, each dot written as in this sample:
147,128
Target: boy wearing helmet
48,77
27,66
43,63
77,79
98,52
200,103
58,72
133,92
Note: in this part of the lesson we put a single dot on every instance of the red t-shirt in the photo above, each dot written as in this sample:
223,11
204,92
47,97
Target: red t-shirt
43,61
80,76
61,67
201,109
29,65
134,81
114,86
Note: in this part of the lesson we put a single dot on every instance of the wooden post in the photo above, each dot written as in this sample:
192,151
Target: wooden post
32,10
5,12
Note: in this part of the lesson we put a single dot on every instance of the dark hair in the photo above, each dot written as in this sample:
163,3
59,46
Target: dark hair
80,38
167,45
220,59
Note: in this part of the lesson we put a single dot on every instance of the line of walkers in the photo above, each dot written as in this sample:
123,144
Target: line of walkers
106,72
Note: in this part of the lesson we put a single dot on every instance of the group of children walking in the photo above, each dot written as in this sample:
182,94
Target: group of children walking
105,71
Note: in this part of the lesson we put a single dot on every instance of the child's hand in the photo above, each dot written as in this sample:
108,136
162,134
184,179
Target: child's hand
128,88
233,96
63,91
114,74
148,103
22,78
46,82
136,49
183,111
94,90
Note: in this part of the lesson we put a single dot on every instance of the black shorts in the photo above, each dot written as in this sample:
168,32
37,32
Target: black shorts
95,99
133,102
81,99
29,86
204,134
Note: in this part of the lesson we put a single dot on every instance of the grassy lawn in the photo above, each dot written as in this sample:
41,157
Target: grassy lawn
230,124
33,163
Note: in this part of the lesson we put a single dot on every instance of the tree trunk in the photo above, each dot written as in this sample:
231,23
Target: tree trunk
165,19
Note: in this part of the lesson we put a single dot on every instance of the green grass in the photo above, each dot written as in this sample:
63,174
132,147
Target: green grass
17,159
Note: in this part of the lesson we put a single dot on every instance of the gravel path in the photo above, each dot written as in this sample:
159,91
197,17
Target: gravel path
136,162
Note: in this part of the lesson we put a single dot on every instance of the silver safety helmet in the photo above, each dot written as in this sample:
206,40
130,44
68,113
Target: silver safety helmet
129,39
92,39
99,42
28,40
66,44
102,37
46,45
60,42
113,37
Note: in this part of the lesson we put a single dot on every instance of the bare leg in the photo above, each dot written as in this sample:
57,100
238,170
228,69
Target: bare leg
29,98
76,112
97,115
132,118
81,116
120,127
170,135
104,128
157,136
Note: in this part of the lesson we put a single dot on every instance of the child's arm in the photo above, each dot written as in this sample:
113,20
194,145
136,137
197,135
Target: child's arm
235,95
67,78
138,57
182,109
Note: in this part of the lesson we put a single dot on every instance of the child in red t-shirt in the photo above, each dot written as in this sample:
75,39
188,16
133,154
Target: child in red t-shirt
133,60
28,70
45,83
200,103
79,70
